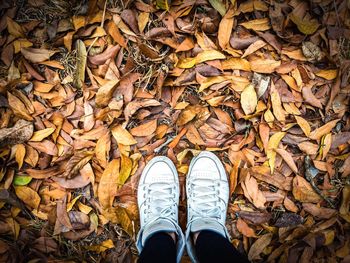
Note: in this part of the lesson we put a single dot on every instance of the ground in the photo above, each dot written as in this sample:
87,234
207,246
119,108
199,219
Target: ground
92,90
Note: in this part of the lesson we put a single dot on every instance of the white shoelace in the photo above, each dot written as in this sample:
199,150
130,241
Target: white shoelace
206,198
159,201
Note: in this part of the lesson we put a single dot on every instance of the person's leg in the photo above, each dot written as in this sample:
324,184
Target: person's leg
160,247
207,239
213,247
158,199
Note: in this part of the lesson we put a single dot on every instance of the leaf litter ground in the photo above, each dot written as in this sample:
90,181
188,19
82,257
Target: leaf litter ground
92,90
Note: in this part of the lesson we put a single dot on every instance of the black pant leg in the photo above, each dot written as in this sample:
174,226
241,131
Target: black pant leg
160,247
213,247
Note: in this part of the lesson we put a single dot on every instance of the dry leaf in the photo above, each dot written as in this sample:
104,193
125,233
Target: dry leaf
28,196
319,132
145,129
38,136
249,99
123,136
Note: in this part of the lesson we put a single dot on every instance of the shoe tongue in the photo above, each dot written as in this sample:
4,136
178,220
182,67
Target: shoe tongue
207,224
160,225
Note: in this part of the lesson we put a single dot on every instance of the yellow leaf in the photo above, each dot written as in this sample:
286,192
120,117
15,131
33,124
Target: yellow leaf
102,149
143,20
14,28
261,24
108,184
38,136
319,132
107,244
269,118
236,63
305,25
326,145
276,105
291,82
205,55
271,146
123,136
71,203
21,43
125,170
28,196
329,237
304,125
84,208
261,65
20,153
249,100
327,74
105,92
225,26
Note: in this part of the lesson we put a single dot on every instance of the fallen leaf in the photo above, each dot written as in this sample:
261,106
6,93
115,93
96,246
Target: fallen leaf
79,77
20,154
105,92
328,74
304,125
108,183
319,132
261,24
263,65
123,136
249,99
107,244
258,246
303,192
145,129
38,136
272,146
28,196
244,228
37,55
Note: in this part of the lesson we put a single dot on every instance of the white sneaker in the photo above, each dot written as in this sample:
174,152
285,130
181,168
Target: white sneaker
207,198
158,200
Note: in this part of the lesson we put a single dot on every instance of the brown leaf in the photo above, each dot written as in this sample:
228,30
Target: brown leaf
244,228
108,183
45,146
75,163
303,191
258,246
319,132
28,196
100,59
105,92
319,212
37,55
145,129
18,107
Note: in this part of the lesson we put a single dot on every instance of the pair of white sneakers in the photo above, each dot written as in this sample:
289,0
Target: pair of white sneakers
158,199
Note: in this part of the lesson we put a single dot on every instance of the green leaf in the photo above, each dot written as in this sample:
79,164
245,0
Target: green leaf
21,180
219,6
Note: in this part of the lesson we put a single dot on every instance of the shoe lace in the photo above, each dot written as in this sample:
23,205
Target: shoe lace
205,195
159,201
